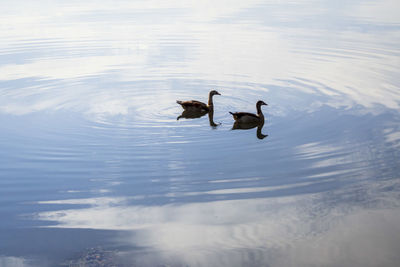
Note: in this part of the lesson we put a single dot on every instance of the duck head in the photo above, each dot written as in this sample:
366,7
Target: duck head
214,92
261,103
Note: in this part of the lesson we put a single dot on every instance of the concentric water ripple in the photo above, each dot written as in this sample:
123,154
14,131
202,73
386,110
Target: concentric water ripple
93,154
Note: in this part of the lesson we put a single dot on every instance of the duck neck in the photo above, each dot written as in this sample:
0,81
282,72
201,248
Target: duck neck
259,112
210,100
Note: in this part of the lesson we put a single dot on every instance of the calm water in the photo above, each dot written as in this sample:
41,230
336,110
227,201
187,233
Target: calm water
93,156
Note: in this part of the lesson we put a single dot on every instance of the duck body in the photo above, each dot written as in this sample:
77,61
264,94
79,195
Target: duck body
247,118
250,118
194,105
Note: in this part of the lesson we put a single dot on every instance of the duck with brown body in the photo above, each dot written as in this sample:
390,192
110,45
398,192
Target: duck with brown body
197,106
193,109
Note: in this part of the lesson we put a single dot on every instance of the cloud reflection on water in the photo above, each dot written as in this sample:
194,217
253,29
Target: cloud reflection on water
282,231
14,262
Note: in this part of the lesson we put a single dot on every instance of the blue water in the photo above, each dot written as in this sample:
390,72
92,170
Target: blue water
93,156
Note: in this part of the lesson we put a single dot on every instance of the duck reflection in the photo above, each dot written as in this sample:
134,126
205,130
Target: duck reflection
246,126
194,114
245,120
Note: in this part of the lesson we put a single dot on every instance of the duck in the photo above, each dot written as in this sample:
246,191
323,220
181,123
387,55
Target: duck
194,105
250,118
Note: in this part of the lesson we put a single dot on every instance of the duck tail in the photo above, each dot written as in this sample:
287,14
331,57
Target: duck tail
234,115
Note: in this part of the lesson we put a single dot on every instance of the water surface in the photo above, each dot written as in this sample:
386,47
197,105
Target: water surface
93,156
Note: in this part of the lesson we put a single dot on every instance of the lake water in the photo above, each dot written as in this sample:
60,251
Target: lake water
94,158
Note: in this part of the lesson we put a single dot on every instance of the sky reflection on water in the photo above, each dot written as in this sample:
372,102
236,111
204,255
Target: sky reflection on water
276,231
93,154
331,57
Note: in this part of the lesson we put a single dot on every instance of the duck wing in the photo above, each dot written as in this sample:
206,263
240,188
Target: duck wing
238,115
192,104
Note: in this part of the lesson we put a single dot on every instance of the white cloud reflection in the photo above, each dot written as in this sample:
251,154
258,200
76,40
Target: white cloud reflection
14,262
384,11
305,230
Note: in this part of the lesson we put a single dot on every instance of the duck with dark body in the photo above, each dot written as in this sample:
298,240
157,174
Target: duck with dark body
245,120
250,118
